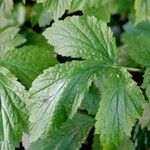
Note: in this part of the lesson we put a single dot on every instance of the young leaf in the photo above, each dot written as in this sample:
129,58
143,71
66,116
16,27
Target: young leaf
70,136
59,90
142,10
83,37
13,112
9,39
28,62
121,104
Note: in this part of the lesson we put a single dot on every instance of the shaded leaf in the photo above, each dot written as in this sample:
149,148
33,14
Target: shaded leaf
70,136
28,62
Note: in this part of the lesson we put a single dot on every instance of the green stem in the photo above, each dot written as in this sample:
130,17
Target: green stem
130,69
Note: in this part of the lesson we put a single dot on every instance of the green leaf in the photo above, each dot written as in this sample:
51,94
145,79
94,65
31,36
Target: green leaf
9,39
13,112
91,100
120,106
59,90
145,119
55,8
77,5
28,62
15,18
90,8
146,82
139,51
83,37
142,10
100,11
5,9
40,15
70,136
126,144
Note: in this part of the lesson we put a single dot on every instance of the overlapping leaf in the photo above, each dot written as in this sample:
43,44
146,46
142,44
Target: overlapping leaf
137,44
90,8
57,93
55,8
69,136
28,62
9,39
60,90
13,112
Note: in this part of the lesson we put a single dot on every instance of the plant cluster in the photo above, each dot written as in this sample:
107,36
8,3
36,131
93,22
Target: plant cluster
99,96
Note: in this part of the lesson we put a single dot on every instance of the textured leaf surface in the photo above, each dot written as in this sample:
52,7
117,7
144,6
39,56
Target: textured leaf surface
70,136
28,62
145,119
9,39
120,106
57,93
82,37
56,8
13,112
142,10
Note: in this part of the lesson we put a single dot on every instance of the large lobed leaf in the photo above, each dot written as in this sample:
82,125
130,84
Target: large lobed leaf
13,112
83,37
57,93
